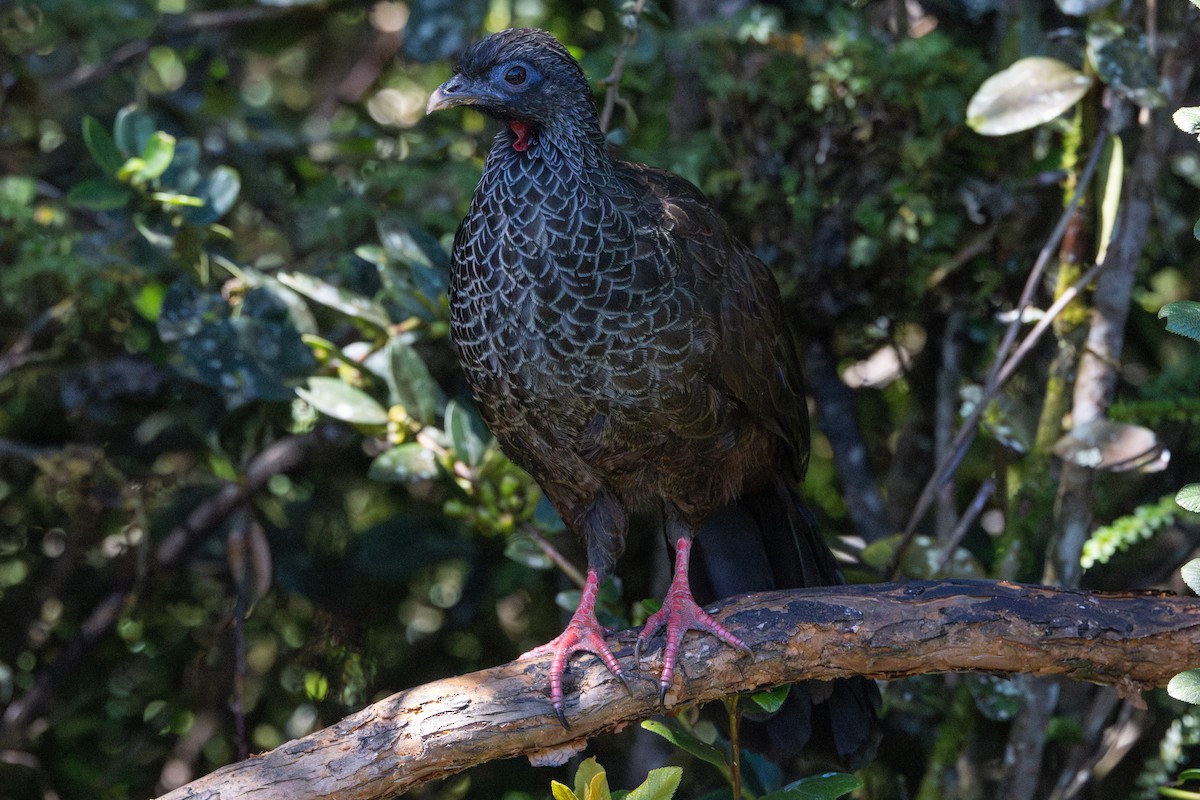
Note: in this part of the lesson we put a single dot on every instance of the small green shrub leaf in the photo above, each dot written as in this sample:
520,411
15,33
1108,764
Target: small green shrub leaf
660,784
158,155
1183,317
102,147
99,194
829,786
403,463
338,399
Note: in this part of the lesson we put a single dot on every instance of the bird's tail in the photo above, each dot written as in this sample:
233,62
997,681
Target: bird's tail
768,540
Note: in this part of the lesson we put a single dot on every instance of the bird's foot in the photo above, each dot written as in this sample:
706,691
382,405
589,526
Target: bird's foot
583,633
681,613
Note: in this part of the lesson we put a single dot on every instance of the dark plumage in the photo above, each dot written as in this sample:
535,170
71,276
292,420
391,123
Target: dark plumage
625,349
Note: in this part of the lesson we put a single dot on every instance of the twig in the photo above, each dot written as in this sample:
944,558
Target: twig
1003,366
954,539
569,569
613,81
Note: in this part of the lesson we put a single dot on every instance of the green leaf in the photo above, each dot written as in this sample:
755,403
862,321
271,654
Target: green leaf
688,743
660,784
1031,92
1112,179
403,463
589,768
1190,774
829,786
598,788
102,147
467,432
335,297
772,700
175,199
338,399
1186,686
99,194
526,552
411,384
1189,497
561,792
1191,574
132,130
1183,317
159,153
316,685
219,190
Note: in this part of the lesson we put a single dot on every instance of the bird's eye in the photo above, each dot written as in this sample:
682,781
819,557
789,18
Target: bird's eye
515,75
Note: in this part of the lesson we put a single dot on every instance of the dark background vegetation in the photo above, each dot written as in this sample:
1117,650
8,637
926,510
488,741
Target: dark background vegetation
203,205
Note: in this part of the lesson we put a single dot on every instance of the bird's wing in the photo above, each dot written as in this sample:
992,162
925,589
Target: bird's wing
754,358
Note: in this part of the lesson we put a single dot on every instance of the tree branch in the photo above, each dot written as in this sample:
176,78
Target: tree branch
884,631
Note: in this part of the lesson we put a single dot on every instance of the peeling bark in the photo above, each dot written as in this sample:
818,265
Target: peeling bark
885,631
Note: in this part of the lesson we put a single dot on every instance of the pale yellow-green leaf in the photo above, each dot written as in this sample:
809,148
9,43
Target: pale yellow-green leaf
561,792
1031,92
660,784
588,769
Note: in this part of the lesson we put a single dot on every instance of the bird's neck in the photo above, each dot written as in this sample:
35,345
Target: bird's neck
572,146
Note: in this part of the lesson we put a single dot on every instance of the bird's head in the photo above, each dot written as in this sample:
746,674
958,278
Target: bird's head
524,77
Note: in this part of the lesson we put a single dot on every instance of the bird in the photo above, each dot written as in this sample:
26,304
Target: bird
630,353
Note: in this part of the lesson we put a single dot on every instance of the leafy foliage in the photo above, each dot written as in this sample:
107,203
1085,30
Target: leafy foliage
222,230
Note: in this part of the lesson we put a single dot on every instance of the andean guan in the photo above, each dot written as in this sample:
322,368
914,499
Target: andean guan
627,351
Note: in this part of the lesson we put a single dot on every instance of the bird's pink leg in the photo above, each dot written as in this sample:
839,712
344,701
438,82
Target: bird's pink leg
680,613
583,633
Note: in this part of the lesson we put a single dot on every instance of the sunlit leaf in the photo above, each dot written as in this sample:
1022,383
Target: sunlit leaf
561,792
335,297
1110,203
338,399
159,152
1081,8
178,200
660,784
588,769
1031,92
1187,119
1191,574
403,463
1186,686
316,685
1189,497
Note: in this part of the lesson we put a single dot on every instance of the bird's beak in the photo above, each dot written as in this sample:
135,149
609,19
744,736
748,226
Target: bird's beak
454,92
